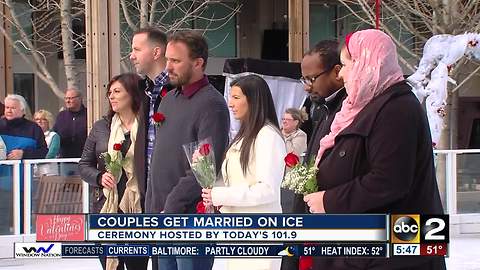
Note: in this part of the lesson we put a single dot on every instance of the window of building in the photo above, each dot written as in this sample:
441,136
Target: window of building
334,21
222,39
23,84
221,34
475,135
322,22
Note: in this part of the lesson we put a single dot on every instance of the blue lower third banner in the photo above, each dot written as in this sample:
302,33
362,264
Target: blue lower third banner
225,250
237,228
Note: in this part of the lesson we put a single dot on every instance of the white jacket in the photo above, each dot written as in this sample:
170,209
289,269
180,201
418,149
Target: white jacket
259,190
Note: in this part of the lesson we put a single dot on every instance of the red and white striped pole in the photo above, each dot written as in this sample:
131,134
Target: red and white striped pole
377,14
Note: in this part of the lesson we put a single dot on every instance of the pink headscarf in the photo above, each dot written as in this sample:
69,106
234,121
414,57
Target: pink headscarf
373,69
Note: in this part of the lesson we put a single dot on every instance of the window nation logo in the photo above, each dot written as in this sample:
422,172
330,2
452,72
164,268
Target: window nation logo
38,250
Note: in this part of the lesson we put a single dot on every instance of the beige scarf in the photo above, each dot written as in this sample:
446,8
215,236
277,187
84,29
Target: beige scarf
130,202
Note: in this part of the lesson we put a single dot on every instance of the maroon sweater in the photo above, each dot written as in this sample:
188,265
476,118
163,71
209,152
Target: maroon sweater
172,187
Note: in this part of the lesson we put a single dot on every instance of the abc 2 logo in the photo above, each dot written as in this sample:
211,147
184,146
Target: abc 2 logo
416,229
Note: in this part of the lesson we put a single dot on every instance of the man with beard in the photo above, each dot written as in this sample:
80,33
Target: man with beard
193,112
320,68
148,57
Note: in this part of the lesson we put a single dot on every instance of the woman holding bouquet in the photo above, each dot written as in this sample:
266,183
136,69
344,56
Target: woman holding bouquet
253,167
378,155
115,188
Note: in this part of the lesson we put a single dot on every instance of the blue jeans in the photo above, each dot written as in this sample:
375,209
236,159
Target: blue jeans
185,263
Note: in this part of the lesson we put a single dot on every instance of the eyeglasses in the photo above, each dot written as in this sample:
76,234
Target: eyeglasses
40,120
309,81
288,119
70,98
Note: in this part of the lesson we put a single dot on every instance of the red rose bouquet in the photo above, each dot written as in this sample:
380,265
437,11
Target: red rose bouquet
300,178
201,157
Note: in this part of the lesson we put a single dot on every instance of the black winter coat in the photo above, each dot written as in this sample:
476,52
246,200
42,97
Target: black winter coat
382,163
141,142
91,165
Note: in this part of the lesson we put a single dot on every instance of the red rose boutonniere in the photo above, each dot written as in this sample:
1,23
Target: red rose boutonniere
164,92
158,118
200,208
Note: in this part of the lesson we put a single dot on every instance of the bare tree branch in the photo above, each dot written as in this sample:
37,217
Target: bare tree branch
126,15
68,50
49,24
143,13
174,15
152,12
474,73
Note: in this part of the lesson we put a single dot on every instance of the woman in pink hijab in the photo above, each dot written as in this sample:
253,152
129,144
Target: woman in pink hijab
378,155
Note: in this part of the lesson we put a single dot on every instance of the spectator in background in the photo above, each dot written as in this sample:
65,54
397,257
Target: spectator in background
45,120
295,139
71,125
296,142
23,138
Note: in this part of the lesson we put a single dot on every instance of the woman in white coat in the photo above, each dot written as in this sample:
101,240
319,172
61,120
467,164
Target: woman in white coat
253,167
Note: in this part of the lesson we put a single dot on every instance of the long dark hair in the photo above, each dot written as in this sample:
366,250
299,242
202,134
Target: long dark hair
261,111
130,81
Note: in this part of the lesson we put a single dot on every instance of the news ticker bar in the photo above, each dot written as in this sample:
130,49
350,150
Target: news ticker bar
261,228
62,250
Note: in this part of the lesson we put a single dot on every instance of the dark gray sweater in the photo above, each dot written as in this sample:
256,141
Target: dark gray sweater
173,188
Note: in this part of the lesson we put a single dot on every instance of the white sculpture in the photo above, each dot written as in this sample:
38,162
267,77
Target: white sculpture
440,53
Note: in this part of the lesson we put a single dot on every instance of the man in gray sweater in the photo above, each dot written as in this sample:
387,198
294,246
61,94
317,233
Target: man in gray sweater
194,111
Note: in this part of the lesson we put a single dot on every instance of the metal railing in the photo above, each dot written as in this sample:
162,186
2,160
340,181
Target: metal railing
15,164
28,165
450,165
17,178
457,164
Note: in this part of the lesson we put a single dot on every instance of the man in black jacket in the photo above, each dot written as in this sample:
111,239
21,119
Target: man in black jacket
320,67
71,125
148,57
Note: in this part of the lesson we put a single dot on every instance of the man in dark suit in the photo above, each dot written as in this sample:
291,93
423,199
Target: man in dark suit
320,67
148,57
